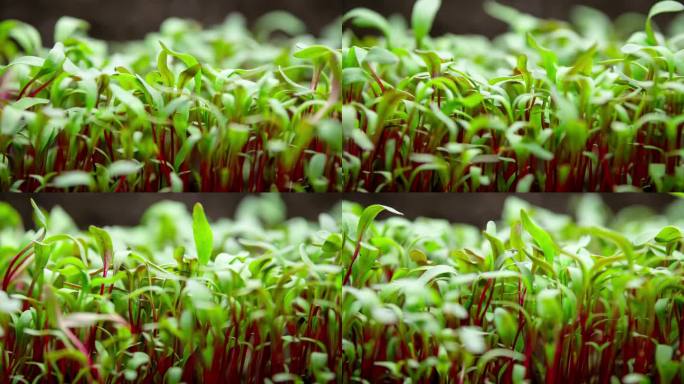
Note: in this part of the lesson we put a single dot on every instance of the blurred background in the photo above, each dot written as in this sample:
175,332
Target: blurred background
103,209
479,208
126,209
468,16
132,19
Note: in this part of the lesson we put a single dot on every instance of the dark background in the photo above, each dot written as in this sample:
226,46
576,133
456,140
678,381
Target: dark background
476,209
479,208
468,16
132,19
103,209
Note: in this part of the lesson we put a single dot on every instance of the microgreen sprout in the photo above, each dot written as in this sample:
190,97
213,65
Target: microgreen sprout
548,106
534,297
225,108
178,298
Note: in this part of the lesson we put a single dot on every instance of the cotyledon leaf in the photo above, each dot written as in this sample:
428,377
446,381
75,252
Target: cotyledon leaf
369,214
204,238
424,12
540,236
104,241
667,6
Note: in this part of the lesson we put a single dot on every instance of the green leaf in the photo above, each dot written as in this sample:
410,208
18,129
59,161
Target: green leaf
525,184
10,123
29,102
84,320
369,214
127,99
518,21
42,255
67,27
8,304
173,375
238,134
540,236
54,61
418,256
187,59
667,6
506,325
353,75
424,12
667,369
204,238
548,305
104,242
549,58
123,168
472,339
313,52
472,100
319,360
657,172
366,18
138,359
10,218
620,240
279,21
432,61
163,67
26,36
669,234
188,74
73,179
331,132
584,64
316,166
519,374
378,55
190,61
38,215
333,243
362,140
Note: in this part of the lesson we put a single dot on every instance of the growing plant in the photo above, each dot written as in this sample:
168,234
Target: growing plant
536,297
187,109
592,105
175,299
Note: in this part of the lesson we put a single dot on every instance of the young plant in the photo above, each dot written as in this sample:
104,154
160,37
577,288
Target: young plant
175,299
535,297
548,106
187,109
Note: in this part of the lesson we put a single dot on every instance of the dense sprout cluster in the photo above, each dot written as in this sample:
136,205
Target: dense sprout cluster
535,297
592,105
172,300
225,108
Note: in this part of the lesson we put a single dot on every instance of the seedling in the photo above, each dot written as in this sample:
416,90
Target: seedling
535,297
187,109
548,106
175,299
